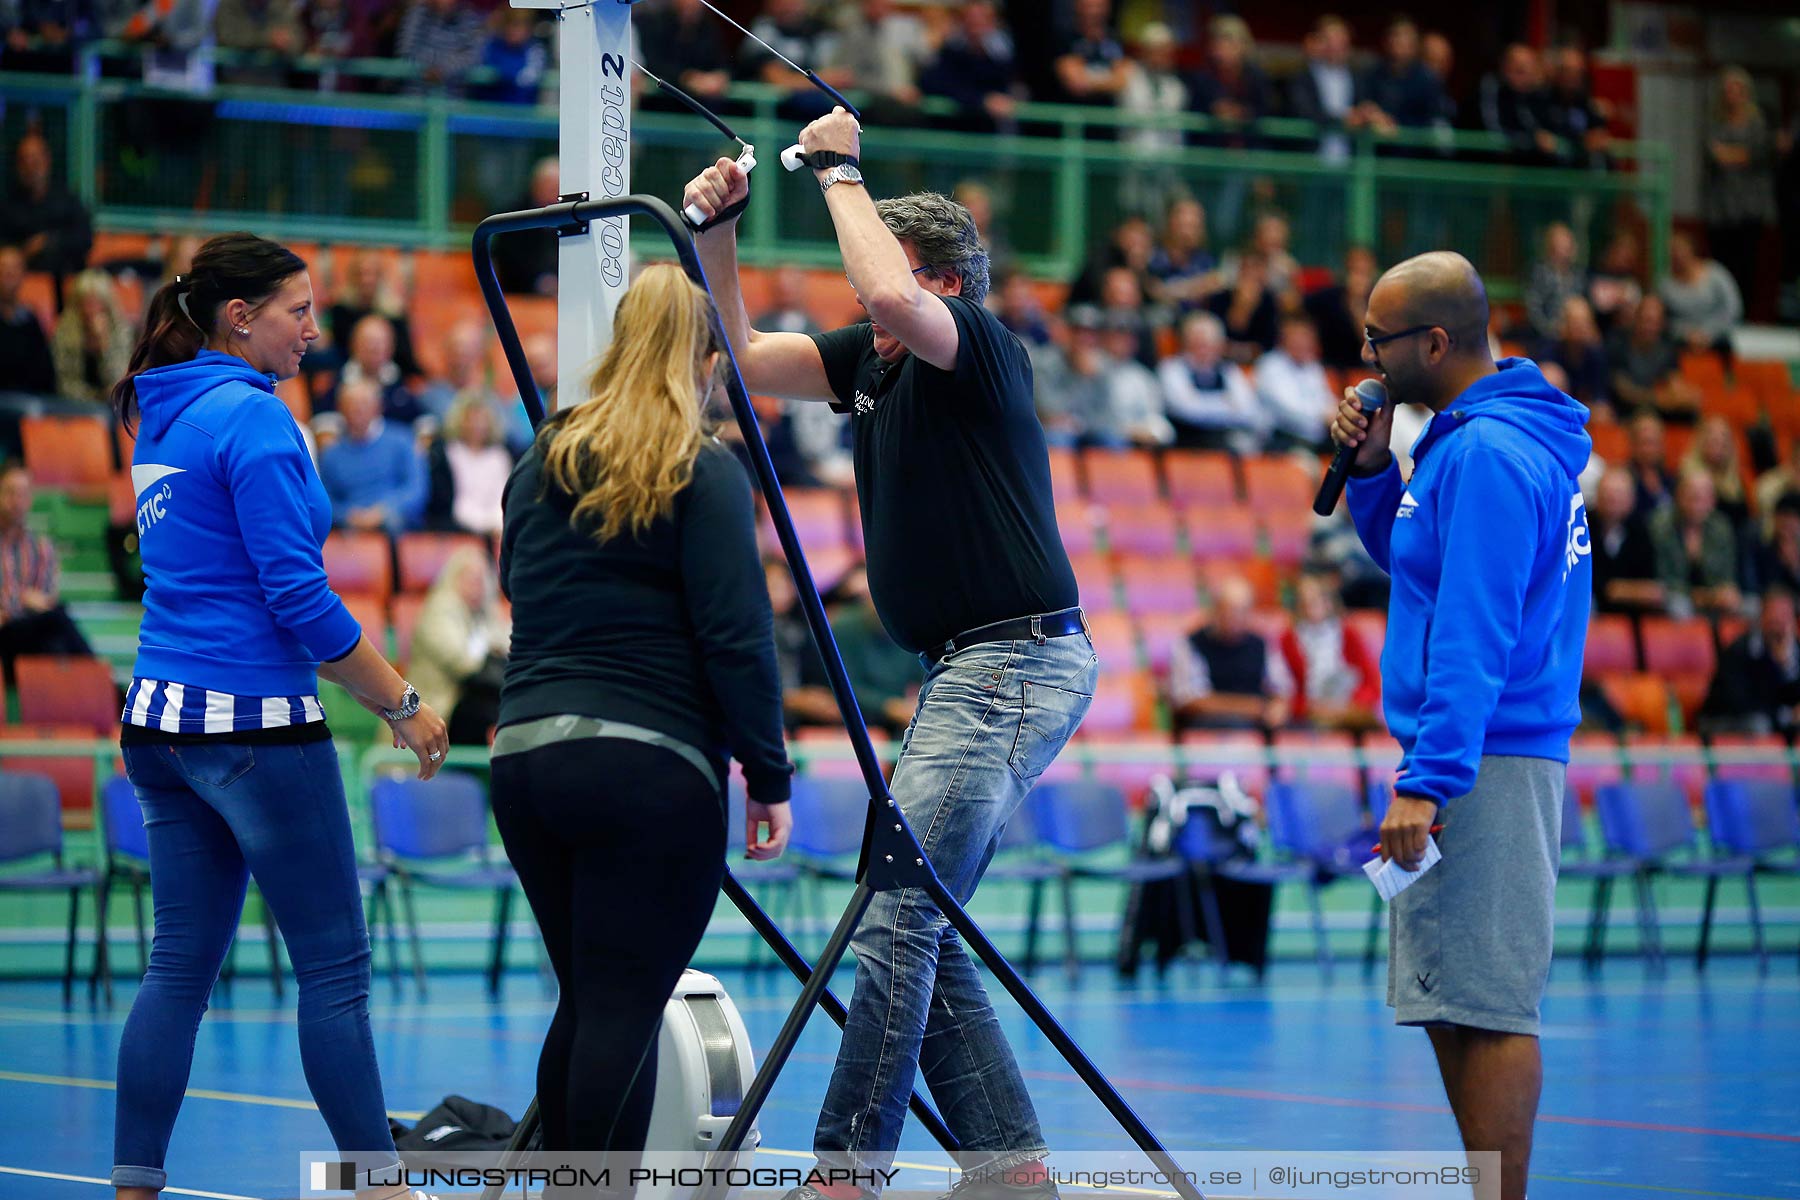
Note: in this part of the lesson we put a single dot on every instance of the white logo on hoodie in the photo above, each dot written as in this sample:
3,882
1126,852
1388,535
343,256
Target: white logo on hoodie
1578,544
152,500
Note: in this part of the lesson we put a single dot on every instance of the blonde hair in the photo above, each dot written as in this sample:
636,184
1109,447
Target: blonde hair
472,398
464,558
1727,479
629,449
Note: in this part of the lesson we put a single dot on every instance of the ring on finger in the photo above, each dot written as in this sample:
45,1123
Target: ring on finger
435,755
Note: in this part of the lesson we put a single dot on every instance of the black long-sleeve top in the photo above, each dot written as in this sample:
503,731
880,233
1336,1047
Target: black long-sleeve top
669,630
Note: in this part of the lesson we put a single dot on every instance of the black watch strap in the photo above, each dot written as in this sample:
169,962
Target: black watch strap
728,213
820,160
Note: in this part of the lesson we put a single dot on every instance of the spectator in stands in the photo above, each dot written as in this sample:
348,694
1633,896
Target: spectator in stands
975,68
806,699
333,29
372,473
787,312
1155,89
681,42
1231,87
1183,272
1021,311
1249,308
816,433
1224,675
1740,182
23,347
788,26
1554,278
369,287
1130,412
1703,300
525,262
1337,678
1070,381
1514,106
1271,236
467,370
517,56
1400,91
1577,348
1339,310
468,467
886,678
1646,368
1625,576
1777,556
266,32
1696,551
93,339
1207,398
1122,303
540,357
1756,688
459,645
978,198
1571,113
882,48
443,41
32,617
1777,482
1649,465
372,361
1132,245
43,35
1297,399
1091,67
1616,284
42,217
1715,452
1439,56
1324,90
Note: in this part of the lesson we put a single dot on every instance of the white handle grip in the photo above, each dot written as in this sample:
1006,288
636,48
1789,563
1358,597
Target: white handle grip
790,158
746,161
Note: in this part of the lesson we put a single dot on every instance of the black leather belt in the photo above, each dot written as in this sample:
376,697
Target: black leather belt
1039,629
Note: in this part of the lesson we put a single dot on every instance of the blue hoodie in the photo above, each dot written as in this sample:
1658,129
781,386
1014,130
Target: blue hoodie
231,517
1488,548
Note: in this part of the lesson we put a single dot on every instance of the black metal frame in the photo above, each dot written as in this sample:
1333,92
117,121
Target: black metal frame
890,858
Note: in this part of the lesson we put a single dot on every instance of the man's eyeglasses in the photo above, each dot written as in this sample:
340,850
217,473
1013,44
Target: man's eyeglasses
916,271
1381,339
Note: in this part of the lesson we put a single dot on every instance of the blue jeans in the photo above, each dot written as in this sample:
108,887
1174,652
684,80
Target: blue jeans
217,814
990,719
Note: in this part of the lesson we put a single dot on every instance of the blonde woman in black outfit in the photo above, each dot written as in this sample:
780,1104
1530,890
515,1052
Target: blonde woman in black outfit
642,657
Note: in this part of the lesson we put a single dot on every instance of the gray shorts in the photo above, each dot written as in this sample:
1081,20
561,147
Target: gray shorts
1470,942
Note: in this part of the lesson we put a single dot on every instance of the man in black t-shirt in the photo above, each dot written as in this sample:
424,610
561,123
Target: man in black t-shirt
967,569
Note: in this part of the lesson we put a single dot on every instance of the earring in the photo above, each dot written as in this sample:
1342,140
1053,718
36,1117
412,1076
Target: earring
244,330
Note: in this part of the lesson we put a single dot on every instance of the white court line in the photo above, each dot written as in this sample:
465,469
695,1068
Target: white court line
107,1183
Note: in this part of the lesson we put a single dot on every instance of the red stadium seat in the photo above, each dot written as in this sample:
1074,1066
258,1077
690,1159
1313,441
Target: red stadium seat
1160,633
406,619
1115,641
1593,761
1290,535
1673,647
1144,529
359,562
1641,698
1263,576
1120,476
1767,379
1065,475
1278,482
1611,645
1124,701
1201,478
1749,756
1677,758
67,452
1372,627
1612,441
68,691
1158,585
1221,532
818,515
1075,521
1094,578
423,555
73,774
372,616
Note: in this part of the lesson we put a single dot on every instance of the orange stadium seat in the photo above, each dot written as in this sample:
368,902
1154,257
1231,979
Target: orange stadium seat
1612,442
121,502
423,555
1201,478
406,619
1737,405
1611,645
1075,521
73,774
1221,532
38,293
1289,534
1094,578
1641,698
67,452
1148,529
1124,701
359,562
1703,368
1765,378
372,616
56,690
1263,576
1115,640
1120,476
1675,648
1158,585
1278,483
1065,475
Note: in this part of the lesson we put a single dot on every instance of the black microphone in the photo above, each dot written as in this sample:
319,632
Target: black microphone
1373,395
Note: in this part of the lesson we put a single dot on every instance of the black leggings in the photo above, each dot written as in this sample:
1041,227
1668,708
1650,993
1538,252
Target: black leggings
620,847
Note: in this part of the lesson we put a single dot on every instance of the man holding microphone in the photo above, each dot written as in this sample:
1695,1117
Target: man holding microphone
1487,546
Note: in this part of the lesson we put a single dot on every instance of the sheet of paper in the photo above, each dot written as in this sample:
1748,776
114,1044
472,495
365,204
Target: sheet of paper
1390,879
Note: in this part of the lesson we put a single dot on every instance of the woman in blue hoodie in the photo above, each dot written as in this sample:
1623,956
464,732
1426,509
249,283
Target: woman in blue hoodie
223,736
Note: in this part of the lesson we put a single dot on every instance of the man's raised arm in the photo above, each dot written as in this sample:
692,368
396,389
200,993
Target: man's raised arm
773,364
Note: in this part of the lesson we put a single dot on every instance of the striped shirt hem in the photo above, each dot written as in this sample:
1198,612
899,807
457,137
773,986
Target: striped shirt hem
175,708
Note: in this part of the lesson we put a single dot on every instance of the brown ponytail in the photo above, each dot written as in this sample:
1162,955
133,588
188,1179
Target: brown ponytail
232,266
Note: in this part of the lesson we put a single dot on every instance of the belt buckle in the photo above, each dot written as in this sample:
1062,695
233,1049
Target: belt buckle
1037,630
948,649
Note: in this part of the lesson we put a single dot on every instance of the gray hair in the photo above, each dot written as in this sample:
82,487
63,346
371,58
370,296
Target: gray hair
943,234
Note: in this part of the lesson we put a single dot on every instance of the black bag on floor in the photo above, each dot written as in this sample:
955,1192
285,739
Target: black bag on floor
457,1124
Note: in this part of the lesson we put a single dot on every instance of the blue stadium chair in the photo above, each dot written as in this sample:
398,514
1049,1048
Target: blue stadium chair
829,817
1319,825
435,832
1580,861
1749,821
31,828
777,880
1652,825
1078,820
1019,858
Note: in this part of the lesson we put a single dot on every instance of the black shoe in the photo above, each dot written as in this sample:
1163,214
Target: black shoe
993,1186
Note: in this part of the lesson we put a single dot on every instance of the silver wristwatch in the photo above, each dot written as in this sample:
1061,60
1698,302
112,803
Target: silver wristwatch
409,706
842,173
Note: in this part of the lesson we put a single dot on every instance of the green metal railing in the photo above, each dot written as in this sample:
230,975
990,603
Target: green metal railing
422,170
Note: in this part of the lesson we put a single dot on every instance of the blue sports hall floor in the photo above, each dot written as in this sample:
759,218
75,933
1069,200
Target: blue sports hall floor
1683,1085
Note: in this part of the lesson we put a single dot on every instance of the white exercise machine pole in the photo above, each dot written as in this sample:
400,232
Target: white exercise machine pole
594,150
